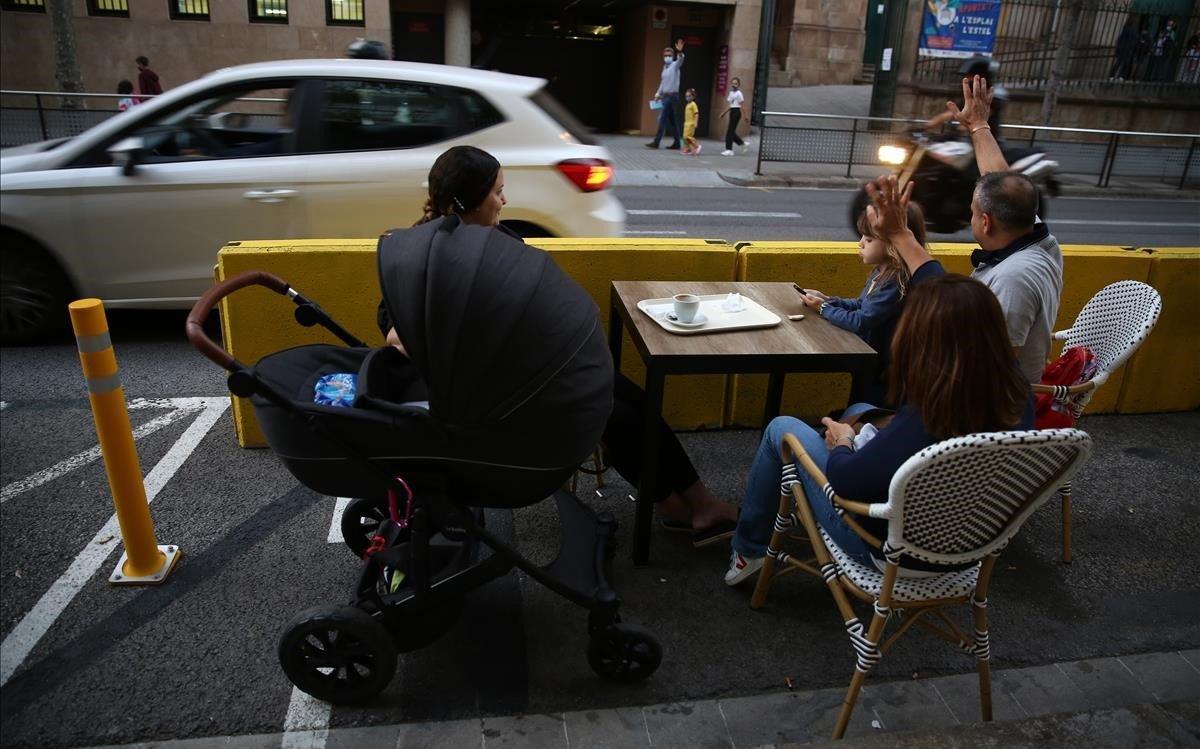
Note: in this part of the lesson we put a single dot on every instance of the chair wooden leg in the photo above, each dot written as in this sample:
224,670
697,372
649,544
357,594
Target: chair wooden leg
783,521
1066,523
843,720
985,690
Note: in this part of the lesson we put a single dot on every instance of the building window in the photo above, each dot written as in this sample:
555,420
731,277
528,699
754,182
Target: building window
268,11
119,8
188,10
29,6
344,12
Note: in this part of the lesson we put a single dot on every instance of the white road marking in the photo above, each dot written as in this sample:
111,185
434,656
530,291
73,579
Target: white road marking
307,723
654,232
1051,222
728,214
335,525
3,405
91,455
34,625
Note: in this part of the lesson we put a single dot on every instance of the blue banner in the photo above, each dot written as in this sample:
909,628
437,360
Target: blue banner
959,28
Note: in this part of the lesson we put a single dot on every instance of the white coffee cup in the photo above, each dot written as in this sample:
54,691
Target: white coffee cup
686,307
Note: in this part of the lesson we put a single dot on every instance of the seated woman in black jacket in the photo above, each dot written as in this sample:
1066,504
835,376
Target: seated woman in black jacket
469,183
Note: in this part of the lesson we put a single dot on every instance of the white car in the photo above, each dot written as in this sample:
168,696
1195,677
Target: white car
134,210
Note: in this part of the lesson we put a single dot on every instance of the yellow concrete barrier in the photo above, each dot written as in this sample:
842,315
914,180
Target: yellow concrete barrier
1164,375
340,275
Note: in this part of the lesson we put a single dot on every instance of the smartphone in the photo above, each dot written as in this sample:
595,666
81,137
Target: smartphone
799,289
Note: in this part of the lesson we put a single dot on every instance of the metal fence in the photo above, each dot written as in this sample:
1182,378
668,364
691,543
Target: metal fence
1102,53
33,116
797,137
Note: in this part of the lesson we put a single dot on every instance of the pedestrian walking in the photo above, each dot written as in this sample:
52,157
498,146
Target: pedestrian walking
148,83
125,89
1160,56
691,119
735,99
668,95
1189,70
1127,43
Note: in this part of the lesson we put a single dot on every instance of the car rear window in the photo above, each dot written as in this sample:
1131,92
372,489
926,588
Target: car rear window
358,115
565,119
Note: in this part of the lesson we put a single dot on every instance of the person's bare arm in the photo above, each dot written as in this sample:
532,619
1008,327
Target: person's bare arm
977,107
888,214
939,120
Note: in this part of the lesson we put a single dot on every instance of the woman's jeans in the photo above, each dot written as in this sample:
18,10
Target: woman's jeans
761,502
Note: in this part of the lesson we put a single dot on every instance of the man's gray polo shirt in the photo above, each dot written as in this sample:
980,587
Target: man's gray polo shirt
1027,277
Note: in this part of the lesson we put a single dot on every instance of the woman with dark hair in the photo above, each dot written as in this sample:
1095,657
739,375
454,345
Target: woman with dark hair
953,370
468,182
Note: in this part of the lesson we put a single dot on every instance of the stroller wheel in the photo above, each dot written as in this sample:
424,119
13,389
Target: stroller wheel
338,654
624,652
360,520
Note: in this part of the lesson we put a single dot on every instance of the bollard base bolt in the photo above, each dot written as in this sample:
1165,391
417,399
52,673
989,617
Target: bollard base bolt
171,555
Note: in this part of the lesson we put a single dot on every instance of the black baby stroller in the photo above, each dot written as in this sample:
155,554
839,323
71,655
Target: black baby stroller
505,388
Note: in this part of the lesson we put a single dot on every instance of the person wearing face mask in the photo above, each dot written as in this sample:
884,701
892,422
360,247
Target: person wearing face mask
668,94
691,120
735,98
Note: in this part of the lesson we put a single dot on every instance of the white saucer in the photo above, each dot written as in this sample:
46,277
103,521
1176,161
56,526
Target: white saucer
699,320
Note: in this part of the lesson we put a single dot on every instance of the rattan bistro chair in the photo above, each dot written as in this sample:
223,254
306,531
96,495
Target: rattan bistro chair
956,502
1112,325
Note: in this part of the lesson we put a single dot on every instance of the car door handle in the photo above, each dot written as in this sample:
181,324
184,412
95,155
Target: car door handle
270,196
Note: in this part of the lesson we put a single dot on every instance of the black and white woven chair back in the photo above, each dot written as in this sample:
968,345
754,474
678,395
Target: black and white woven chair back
1115,321
960,500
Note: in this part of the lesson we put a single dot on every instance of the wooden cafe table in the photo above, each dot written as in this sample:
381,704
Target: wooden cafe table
808,345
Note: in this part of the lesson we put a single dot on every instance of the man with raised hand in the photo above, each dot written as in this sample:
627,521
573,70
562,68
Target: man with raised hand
1018,258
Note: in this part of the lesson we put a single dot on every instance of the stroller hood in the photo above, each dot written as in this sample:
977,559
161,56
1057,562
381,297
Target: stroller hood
510,347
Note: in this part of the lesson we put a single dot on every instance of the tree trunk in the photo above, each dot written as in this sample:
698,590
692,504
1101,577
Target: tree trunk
66,54
1068,23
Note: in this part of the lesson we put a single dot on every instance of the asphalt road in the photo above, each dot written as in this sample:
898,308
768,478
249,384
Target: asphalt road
747,214
86,663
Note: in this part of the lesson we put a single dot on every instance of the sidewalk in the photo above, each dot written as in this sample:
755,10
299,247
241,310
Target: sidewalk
638,166
1149,699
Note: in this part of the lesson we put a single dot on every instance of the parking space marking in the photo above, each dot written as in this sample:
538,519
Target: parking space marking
307,723
20,642
93,454
725,214
335,525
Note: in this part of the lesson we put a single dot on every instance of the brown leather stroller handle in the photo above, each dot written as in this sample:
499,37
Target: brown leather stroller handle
207,301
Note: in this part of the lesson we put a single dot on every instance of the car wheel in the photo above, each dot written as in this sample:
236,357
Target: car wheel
34,293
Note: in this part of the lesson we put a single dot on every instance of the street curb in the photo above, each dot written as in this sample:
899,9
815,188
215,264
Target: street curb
1069,191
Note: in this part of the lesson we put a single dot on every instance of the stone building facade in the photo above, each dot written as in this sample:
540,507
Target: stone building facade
206,36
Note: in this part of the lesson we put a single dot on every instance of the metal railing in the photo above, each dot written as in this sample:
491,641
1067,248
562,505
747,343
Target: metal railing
1172,158
33,116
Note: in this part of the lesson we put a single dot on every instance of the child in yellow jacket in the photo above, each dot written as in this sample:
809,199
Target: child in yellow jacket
691,118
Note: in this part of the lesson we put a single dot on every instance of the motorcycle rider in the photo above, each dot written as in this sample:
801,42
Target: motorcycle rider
987,69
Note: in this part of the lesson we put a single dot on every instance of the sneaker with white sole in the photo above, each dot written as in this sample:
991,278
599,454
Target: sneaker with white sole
741,568
727,152
746,147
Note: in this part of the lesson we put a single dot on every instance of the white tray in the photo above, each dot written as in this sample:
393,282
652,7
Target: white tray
753,315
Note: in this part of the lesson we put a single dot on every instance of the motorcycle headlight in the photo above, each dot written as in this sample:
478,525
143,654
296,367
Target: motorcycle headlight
893,155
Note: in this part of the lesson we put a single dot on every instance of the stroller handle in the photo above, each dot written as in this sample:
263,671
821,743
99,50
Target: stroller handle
207,301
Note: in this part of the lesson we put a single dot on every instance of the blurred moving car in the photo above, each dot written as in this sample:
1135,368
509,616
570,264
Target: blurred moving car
134,210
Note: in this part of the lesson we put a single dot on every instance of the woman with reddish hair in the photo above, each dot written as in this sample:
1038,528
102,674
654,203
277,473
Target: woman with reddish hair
952,371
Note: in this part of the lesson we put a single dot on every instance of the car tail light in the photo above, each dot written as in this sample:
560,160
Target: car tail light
589,175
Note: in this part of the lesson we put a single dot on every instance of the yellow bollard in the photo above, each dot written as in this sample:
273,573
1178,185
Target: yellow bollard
144,561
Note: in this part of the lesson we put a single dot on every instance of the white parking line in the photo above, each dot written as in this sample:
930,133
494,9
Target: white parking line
727,214
34,625
91,455
1090,222
307,723
335,525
